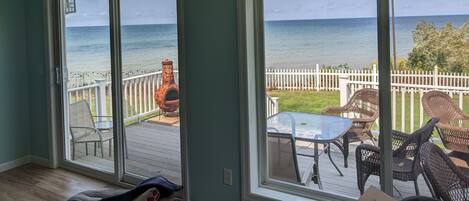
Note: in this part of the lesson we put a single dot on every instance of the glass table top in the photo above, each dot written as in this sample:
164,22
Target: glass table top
103,125
309,126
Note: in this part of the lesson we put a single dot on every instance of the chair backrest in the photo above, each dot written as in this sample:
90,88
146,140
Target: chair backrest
439,104
80,116
411,147
365,101
446,180
283,164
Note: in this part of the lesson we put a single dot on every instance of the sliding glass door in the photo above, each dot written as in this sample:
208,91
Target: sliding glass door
121,58
150,90
321,91
88,133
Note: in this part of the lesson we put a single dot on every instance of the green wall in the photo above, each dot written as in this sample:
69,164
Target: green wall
14,97
213,94
37,81
210,31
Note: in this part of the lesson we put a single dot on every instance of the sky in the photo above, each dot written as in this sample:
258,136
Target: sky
95,12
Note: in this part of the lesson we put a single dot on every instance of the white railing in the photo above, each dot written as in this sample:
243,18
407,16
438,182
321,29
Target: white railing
271,105
407,111
328,79
138,93
138,96
407,88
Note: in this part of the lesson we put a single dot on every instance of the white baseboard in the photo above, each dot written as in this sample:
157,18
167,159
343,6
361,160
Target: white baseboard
15,163
23,161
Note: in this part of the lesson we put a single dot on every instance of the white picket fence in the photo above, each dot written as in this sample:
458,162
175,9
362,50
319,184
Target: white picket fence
328,79
138,96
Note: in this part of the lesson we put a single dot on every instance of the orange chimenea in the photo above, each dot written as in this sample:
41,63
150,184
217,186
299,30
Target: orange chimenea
167,96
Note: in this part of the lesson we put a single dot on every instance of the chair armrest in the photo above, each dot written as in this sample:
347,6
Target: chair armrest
465,116
334,110
401,145
367,153
94,130
83,127
462,132
398,135
345,109
398,138
454,135
364,120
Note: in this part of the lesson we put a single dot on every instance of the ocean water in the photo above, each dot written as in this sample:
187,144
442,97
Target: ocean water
304,43
289,44
143,47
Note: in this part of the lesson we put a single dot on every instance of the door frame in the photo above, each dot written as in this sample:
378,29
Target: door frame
54,56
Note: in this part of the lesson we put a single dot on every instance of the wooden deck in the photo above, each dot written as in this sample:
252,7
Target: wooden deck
154,149
347,185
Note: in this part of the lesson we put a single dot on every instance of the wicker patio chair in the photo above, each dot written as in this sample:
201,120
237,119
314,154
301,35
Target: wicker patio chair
363,109
283,160
439,104
405,148
445,180
83,128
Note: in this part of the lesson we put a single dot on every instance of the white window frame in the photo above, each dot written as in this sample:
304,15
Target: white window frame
255,183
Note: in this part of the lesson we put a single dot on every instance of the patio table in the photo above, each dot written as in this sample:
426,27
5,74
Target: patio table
104,125
310,127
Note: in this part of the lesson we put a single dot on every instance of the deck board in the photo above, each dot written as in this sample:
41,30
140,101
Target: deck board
154,149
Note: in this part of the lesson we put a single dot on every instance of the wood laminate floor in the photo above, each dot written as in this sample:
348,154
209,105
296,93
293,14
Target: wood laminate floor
36,183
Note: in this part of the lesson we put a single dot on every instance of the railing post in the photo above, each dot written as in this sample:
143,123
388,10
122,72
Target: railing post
318,78
101,98
435,76
375,73
275,108
344,89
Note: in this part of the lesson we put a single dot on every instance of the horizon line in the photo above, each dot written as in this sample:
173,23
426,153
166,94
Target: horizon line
342,18
278,20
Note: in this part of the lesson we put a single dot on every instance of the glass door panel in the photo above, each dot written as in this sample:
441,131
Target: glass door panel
427,49
320,59
87,84
150,88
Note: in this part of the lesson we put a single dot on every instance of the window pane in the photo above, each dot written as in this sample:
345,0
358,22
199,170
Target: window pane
430,48
150,88
88,109
320,55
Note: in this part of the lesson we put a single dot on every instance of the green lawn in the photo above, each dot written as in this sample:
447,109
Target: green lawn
306,101
315,101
